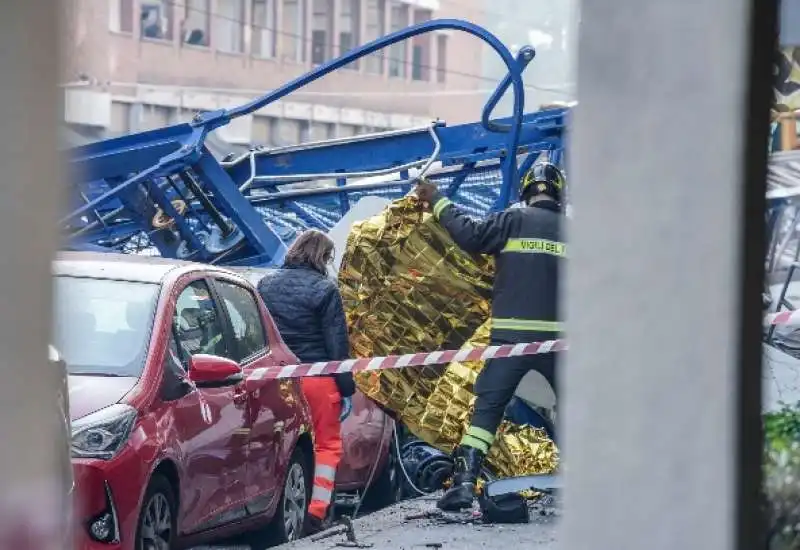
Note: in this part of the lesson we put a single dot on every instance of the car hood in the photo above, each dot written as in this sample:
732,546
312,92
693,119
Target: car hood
88,394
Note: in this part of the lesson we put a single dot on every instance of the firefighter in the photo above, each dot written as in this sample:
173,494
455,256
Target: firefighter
529,252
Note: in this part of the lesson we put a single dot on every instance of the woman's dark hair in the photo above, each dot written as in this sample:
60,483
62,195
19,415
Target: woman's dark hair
312,248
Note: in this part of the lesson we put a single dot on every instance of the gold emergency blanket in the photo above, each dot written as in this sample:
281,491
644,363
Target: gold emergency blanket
787,80
408,288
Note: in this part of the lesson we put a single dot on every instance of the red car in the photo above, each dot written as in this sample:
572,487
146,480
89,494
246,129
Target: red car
171,446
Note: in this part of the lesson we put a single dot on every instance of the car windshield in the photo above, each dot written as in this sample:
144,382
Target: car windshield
102,327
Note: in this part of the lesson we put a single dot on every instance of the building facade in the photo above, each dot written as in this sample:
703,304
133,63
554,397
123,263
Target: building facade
133,65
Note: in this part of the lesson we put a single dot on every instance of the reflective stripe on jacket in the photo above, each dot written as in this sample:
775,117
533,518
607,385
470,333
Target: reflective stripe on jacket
529,251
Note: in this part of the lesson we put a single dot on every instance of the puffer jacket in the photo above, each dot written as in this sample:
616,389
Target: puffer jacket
307,308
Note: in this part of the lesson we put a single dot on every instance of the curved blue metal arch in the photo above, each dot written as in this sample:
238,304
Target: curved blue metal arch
215,119
524,57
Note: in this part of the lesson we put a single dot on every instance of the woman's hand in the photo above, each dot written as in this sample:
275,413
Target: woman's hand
347,408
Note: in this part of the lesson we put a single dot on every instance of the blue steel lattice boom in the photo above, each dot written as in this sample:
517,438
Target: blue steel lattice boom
163,189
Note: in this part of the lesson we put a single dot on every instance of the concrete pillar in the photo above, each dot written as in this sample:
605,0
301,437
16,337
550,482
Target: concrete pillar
409,46
433,61
33,460
662,384
305,26
278,24
336,26
362,33
247,29
387,28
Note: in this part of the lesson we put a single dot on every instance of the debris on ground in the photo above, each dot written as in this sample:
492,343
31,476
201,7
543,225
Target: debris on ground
417,524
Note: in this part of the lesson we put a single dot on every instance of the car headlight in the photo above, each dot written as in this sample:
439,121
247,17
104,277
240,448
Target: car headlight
103,433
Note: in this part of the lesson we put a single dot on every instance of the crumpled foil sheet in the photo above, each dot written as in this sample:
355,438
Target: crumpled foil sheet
408,288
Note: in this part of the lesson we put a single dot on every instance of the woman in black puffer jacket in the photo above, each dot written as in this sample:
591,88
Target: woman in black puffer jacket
307,307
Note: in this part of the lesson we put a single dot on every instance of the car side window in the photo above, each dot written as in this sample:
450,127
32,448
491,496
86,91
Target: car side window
197,324
248,330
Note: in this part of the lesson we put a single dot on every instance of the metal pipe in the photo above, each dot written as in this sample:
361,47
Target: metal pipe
215,215
426,165
524,57
187,200
286,149
96,223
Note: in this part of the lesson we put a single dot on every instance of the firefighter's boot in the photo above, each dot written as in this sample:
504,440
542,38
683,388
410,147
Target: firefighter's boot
468,462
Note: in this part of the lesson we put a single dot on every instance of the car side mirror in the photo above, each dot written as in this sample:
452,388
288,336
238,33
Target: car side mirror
212,371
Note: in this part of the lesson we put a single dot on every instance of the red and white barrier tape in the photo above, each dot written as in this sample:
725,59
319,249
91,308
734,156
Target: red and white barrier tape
478,353
783,318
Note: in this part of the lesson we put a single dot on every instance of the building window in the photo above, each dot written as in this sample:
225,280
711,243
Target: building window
229,23
320,131
120,119
120,15
348,130
293,30
153,117
196,26
397,52
321,31
421,48
349,25
331,131
264,13
441,58
262,130
286,131
375,27
156,19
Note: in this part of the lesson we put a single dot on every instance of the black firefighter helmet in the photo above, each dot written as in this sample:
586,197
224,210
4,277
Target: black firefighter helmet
543,177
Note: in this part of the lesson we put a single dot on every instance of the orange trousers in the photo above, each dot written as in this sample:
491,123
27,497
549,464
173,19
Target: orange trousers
325,403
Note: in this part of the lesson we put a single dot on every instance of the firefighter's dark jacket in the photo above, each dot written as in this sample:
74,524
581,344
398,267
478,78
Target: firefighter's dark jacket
529,252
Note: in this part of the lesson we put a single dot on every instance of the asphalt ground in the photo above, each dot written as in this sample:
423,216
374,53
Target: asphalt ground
404,527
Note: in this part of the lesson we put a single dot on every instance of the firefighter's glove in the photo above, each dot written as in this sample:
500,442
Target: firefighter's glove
347,408
425,193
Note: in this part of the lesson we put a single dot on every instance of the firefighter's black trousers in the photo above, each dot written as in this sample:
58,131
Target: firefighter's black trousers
499,379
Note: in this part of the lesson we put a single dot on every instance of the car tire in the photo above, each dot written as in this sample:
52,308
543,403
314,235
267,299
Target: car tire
387,488
291,515
157,526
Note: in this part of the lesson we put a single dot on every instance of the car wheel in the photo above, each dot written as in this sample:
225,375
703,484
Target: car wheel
157,526
289,521
387,488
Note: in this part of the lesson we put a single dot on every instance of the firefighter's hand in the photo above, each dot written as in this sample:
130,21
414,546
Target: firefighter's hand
425,192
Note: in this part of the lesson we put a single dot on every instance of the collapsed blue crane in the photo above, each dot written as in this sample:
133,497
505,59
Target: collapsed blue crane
164,190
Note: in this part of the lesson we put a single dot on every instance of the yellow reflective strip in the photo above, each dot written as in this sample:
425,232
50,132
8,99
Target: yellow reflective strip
213,342
479,433
526,324
536,246
475,443
440,205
